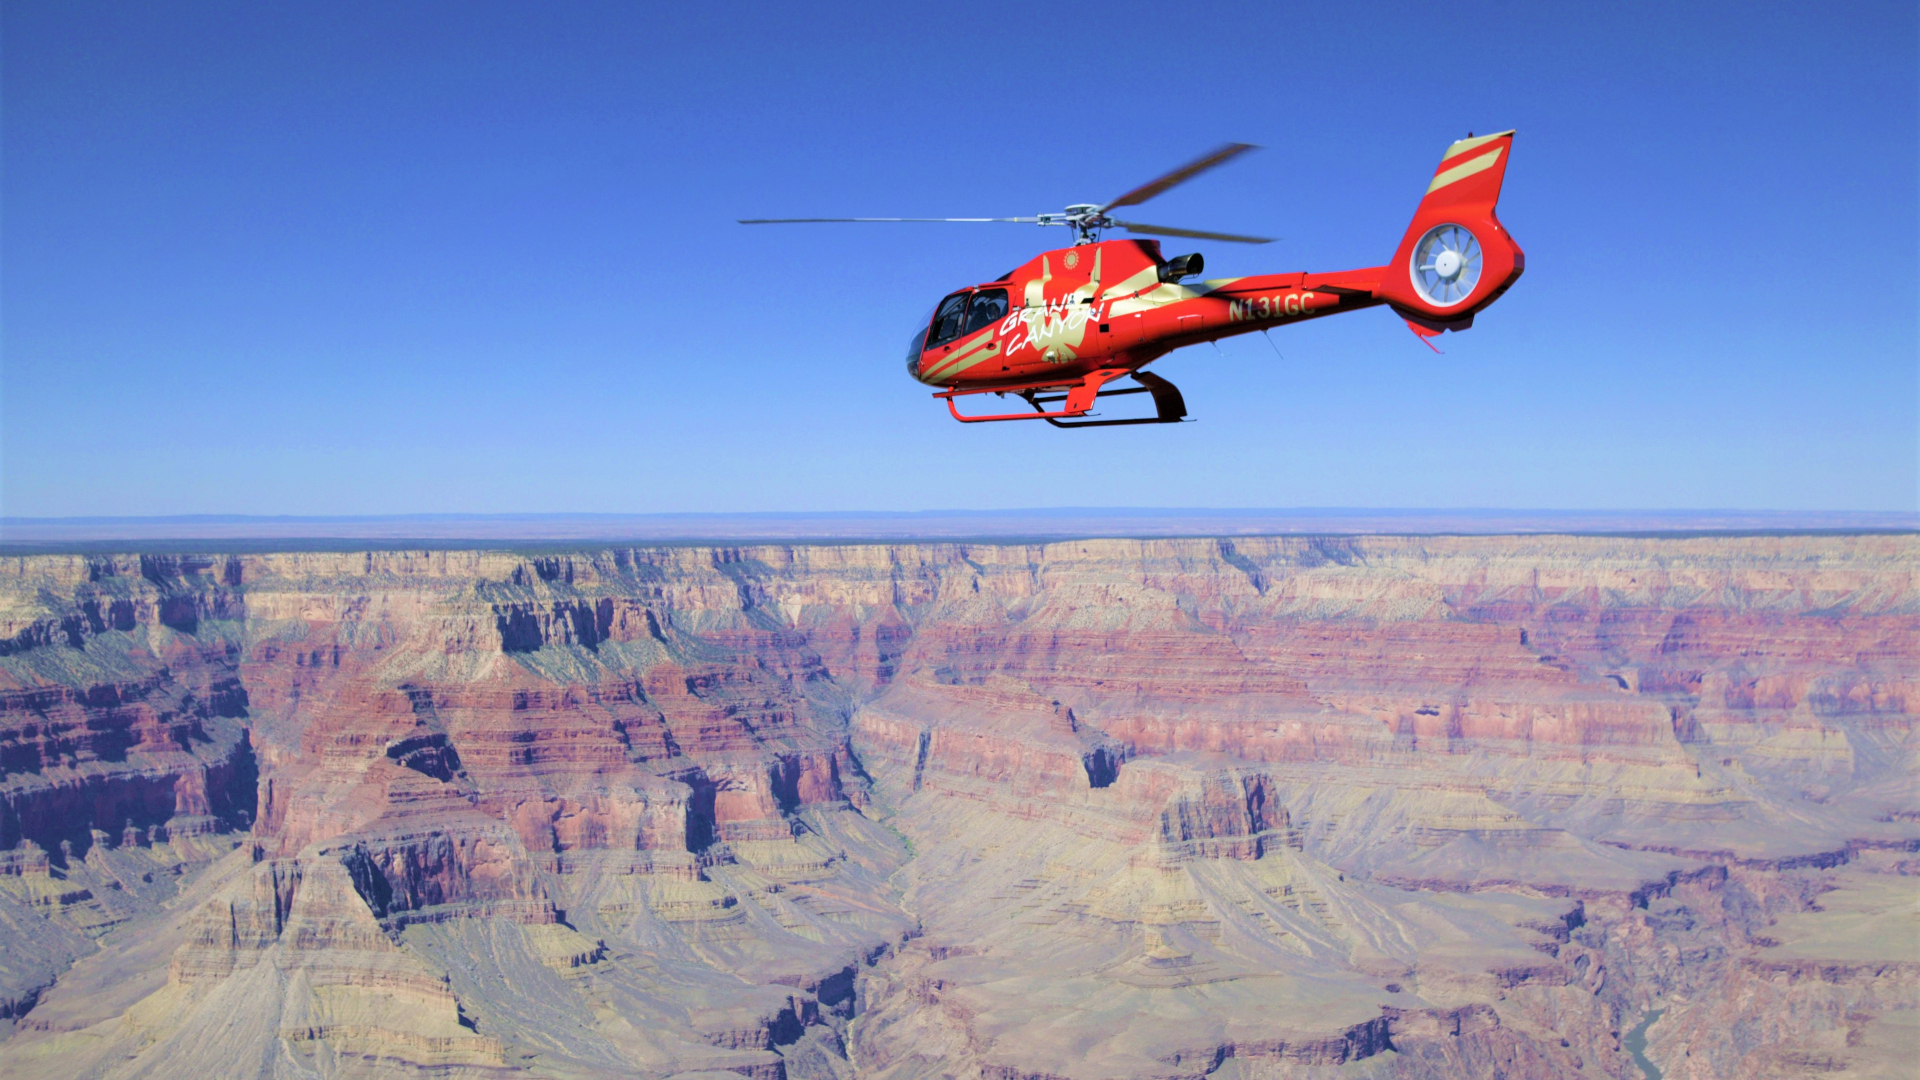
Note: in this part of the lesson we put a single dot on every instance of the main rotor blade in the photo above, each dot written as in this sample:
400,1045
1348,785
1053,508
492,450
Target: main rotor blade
808,220
1180,175
1162,230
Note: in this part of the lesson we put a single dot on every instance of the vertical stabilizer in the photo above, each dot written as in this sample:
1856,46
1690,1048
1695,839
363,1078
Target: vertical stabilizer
1456,257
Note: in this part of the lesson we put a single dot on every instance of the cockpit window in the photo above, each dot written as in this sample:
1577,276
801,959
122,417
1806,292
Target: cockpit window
948,320
989,307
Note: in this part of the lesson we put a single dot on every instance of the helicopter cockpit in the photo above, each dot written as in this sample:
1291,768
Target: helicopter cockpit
960,314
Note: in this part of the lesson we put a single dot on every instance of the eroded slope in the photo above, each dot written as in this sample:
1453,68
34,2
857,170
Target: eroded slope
1413,807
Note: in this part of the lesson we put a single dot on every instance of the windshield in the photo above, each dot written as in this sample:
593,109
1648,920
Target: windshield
947,320
919,340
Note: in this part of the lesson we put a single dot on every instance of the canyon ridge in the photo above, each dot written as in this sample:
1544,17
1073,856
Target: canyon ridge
1391,807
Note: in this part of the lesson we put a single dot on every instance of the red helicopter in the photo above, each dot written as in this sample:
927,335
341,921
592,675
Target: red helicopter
1059,329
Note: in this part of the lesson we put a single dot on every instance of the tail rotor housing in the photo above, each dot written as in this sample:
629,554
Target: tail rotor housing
1456,257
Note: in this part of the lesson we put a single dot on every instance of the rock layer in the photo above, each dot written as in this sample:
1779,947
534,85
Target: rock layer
1261,807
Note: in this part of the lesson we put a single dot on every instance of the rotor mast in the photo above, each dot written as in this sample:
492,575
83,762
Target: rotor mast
1085,219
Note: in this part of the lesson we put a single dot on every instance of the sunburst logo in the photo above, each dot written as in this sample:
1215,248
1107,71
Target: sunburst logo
1073,259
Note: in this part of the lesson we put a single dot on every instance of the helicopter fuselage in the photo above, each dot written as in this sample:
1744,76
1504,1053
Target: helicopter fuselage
1073,311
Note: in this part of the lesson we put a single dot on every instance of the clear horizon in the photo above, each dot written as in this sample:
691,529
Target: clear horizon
370,261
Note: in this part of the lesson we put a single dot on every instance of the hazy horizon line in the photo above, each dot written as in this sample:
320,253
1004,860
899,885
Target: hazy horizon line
233,533
1038,511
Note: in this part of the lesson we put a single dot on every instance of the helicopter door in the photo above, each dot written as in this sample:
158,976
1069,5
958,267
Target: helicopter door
989,306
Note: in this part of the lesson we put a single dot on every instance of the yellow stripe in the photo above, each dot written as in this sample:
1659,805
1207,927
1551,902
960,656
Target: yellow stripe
949,365
1465,145
1462,171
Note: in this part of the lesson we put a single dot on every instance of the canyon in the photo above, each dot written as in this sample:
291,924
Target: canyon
1259,807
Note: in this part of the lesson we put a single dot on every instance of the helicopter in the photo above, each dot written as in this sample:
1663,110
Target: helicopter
1059,329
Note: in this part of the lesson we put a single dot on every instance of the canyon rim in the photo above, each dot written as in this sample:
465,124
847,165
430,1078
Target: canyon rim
1516,806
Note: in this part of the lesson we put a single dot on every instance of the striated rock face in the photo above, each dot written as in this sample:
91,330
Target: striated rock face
1407,807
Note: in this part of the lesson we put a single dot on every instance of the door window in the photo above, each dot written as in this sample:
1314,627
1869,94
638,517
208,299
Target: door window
989,306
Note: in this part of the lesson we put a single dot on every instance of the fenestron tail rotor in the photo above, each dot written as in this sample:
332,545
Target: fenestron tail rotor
1087,219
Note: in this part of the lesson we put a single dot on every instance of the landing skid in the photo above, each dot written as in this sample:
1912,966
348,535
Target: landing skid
1169,406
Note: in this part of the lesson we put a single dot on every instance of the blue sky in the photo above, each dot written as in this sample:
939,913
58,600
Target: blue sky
399,258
